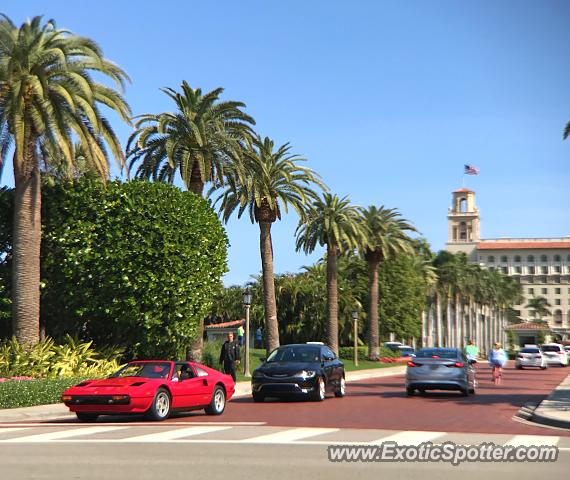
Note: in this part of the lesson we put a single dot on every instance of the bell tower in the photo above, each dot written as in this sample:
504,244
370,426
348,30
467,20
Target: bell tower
463,224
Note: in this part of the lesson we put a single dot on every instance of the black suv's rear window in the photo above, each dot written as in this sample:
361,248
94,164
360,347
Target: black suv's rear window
530,350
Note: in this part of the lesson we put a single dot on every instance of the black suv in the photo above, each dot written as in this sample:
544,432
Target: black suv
307,369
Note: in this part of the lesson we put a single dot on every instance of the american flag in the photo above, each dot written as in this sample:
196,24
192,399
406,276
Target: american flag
471,170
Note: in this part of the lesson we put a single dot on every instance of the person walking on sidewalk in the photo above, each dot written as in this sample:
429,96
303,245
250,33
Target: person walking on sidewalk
230,356
240,333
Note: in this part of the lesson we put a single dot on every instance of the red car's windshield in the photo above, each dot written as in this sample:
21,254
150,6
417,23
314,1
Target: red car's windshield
144,369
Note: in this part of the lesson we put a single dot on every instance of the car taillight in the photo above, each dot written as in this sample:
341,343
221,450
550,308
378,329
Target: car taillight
412,364
435,356
459,364
560,353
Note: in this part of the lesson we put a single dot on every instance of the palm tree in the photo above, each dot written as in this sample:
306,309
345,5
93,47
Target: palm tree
539,306
48,98
197,141
386,236
334,222
274,180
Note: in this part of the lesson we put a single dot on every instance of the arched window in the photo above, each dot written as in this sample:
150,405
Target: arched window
517,258
557,258
504,259
530,258
491,259
558,316
568,258
463,205
543,258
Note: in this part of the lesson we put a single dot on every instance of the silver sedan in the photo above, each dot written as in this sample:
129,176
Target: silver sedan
440,369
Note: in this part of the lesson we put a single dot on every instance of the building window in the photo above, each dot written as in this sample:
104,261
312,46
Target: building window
504,259
557,301
557,291
543,258
530,258
505,270
543,280
557,258
556,279
544,270
517,258
491,259
530,280
518,270
491,269
558,316
557,269
531,270
568,258
531,291
544,291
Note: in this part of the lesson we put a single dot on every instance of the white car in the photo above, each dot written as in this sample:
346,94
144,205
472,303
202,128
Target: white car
555,354
531,357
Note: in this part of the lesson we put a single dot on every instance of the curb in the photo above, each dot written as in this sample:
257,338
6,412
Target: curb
558,402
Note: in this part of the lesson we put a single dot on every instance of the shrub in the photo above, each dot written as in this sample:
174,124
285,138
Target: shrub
211,354
48,360
27,393
135,264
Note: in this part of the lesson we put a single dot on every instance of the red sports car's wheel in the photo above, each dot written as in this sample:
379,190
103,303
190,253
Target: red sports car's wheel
218,403
86,417
160,408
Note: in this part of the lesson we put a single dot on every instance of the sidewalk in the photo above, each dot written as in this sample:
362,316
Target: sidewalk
243,389
554,411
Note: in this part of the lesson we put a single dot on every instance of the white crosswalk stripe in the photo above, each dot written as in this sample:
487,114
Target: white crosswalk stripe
174,434
291,435
532,440
62,434
411,437
247,434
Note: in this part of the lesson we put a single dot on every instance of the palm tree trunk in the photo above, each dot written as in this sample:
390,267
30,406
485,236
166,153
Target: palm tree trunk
373,334
448,320
269,302
438,320
196,185
26,249
332,299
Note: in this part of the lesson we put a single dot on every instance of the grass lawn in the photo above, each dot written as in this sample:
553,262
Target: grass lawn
257,354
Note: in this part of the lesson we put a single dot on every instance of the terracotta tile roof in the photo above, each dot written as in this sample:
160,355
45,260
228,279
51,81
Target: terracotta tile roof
527,326
519,245
233,323
463,190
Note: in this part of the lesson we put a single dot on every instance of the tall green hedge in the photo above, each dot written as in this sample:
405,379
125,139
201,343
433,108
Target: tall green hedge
134,264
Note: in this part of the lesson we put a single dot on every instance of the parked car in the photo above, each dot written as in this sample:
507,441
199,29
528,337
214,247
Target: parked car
155,388
406,351
393,345
440,369
531,356
310,370
555,354
567,349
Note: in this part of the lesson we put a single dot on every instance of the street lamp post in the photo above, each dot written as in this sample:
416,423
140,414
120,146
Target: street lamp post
355,319
247,304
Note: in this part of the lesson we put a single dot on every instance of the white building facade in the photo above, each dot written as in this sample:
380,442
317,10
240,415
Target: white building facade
540,265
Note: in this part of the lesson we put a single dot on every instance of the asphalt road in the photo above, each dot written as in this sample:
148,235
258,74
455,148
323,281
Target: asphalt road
382,404
237,462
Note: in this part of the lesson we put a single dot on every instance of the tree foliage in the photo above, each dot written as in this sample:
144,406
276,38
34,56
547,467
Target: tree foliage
133,264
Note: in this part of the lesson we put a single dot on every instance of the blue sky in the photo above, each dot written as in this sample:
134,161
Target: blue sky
386,99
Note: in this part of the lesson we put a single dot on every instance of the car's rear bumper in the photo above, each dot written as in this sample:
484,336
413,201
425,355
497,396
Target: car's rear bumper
527,363
437,385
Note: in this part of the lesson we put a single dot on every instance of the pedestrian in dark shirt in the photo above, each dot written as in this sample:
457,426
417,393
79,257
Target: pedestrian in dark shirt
229,356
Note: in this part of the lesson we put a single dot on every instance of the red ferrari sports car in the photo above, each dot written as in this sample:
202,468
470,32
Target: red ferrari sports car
155,388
